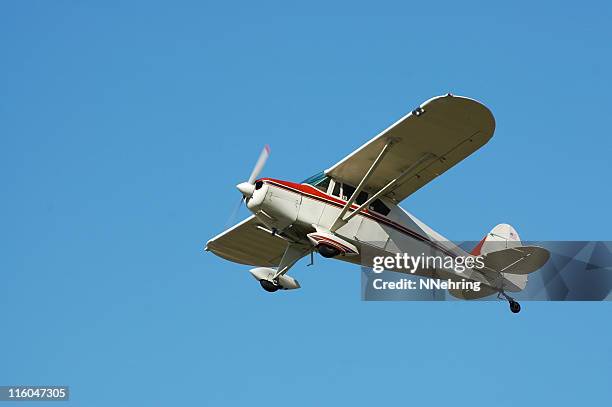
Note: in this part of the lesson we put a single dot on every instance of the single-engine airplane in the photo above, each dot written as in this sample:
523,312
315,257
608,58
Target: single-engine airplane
353,207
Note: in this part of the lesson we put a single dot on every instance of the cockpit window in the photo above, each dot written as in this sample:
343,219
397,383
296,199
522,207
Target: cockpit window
314,179
378,206
361,198
323,185
322,181
336,191
349,190
319,181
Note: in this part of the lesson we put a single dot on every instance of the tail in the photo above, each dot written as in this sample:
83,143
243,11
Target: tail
506,262
500,238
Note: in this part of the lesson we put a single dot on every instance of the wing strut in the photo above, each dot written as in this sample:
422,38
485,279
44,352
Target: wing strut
339,221
408,171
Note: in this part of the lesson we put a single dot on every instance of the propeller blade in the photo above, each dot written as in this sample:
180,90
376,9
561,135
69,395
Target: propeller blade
261,161
232,219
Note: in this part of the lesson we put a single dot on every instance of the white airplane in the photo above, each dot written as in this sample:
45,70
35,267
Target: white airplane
352,207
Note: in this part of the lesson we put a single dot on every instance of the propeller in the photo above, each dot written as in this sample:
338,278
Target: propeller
232,219
248,188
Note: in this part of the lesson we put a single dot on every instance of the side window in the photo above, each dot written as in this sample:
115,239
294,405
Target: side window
378,206
336,191
347,191
361,198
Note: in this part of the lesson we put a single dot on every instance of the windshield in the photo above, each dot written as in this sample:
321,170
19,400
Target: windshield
315,179
319,181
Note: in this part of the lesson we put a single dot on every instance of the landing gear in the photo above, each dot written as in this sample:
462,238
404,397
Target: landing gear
515,307
327,251
269,286
275,278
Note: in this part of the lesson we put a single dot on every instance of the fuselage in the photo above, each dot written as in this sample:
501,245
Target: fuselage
289,206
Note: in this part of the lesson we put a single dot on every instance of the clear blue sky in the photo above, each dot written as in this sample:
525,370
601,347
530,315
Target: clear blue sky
124,127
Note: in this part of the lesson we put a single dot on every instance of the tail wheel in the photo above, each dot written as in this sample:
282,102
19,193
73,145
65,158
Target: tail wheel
515,307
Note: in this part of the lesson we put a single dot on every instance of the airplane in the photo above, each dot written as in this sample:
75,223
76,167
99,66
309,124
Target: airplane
352,207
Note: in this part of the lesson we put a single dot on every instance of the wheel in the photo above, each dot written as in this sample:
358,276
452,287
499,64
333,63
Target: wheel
515,307
327,251
269,286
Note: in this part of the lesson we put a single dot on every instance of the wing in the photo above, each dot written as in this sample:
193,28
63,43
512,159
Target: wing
247,244
425,143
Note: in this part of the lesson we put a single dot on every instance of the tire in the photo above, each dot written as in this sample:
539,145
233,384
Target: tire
269,286
327,251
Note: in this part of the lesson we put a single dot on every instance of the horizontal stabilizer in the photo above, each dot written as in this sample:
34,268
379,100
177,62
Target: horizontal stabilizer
517,260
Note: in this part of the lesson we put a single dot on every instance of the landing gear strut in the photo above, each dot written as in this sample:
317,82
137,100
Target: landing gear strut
515,307
269,286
